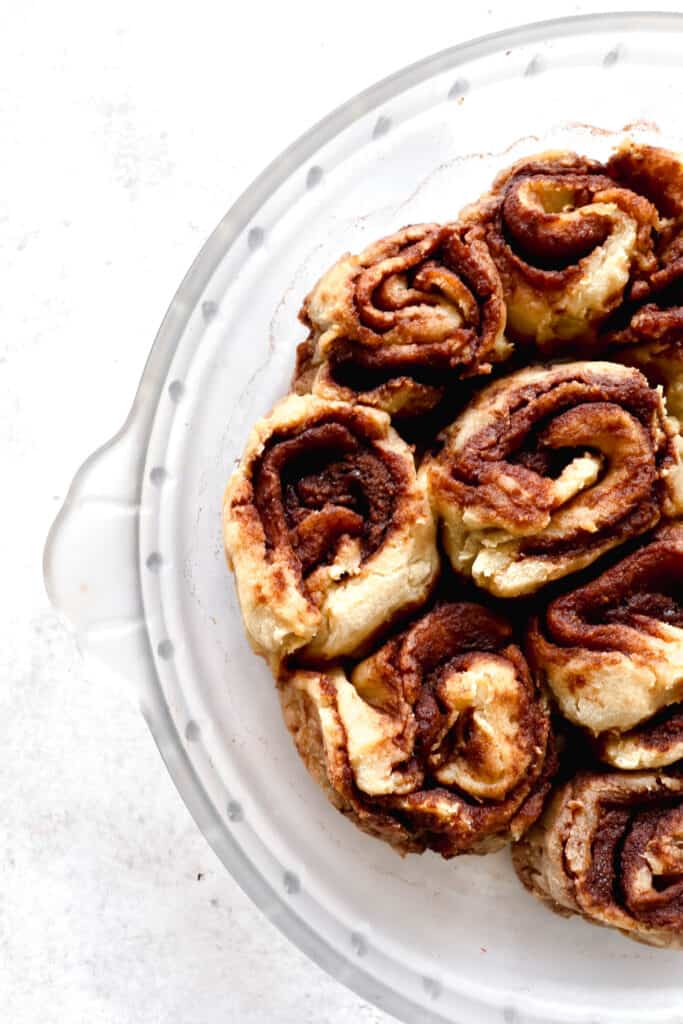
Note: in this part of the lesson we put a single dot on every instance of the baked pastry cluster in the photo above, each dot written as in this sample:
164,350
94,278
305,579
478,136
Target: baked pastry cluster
457,540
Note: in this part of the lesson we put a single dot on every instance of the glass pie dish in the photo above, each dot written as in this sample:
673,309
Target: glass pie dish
135,558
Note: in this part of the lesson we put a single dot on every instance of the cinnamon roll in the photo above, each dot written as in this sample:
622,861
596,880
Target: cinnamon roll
650,323
610,848
327,528
654,311
566,239
392,326
661,361
548,469
437,741
611,651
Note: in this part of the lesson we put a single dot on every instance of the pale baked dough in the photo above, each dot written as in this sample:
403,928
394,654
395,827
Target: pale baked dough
566,239
350,598
431,741
413,311
662,363
618,691
612,660
547,316
510,527
608,847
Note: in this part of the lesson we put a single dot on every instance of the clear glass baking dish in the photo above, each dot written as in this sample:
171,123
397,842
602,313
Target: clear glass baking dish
135,561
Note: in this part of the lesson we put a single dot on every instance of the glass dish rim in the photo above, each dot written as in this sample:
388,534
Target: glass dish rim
141,417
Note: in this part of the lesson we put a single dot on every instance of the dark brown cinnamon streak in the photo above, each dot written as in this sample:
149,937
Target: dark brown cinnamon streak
612,654
328,528
393,326
567,240
649,325
439,740
548,469
610,848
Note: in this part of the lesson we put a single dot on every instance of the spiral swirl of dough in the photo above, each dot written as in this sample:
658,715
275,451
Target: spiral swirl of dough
549,468
566,239
610,848
649,326
612,654
393,326
327,527
438,740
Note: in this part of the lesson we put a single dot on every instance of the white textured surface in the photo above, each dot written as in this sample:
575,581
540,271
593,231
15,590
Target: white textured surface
127,131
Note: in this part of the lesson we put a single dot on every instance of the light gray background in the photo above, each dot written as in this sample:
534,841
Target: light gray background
126,130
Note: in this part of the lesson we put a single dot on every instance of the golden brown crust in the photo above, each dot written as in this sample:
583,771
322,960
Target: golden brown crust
608,847
652,172
652,317
611,652
566,239
393,326
328,529
548,469
438,740
660,360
